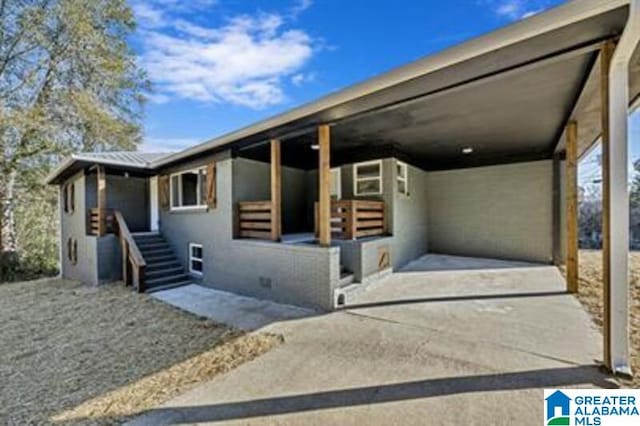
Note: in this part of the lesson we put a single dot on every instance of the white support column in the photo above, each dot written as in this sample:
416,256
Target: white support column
619,195
153,204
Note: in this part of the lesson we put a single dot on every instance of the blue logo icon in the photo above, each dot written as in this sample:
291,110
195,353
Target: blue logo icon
558,409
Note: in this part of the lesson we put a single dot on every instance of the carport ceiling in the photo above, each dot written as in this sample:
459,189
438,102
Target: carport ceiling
518,115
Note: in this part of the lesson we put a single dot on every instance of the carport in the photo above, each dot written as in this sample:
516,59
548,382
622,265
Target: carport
501,133
497,125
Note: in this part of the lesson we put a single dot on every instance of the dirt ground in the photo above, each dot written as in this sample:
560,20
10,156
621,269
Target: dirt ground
590,294
78,355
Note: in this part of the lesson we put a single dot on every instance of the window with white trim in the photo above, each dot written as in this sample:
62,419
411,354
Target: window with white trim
189,189
195,258
402,178
367,178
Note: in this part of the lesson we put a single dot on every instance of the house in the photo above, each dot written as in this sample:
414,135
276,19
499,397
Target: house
471,151
558,400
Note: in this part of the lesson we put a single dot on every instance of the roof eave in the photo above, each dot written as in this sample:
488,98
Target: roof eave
556,18
53,178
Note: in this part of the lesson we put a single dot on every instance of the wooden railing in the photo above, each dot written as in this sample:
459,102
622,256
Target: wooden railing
254,219
351,219
133,263
100,221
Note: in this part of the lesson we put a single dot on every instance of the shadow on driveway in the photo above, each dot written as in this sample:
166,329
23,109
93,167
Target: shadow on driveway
410,301
546,378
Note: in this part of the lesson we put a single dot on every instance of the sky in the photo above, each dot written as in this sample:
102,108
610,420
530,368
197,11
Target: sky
219,65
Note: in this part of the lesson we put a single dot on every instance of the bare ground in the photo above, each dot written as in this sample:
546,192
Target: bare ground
590,295
79,355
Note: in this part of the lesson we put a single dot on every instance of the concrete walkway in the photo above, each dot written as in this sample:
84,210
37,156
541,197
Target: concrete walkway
423,346
241,312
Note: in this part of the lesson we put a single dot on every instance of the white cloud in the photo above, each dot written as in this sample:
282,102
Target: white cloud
300,6
148,16
516,9
301,78
157,98
511,8
243,61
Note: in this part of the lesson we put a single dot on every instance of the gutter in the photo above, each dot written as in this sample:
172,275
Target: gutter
106,162
566,14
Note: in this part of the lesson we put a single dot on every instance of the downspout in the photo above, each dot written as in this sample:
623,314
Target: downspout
619,201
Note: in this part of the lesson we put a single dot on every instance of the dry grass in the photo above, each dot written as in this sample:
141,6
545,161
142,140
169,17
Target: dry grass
76,354
590,294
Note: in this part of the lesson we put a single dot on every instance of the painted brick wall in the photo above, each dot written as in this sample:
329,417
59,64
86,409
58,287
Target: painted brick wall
296,274
73,225
500,211
410,218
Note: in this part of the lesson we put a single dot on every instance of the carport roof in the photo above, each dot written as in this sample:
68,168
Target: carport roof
508,93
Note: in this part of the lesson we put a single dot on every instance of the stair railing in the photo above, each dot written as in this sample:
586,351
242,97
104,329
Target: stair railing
133,263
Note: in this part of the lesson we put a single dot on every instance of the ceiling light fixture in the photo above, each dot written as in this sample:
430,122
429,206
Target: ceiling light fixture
315,146
468,150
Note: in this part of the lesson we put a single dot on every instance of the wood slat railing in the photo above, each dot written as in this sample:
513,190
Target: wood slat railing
255,219
133,263
351,219
113,222
100,221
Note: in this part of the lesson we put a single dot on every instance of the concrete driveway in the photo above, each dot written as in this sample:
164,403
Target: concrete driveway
445,341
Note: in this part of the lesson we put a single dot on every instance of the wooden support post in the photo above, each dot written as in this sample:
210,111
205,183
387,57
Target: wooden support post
572,207
351,220
139,277
125,261
102,200
276,191
557,212
324,182
606,54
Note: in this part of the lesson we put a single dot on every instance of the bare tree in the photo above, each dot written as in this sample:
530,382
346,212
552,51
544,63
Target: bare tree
68,82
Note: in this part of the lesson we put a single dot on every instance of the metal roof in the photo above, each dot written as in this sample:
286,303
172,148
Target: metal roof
129,160
124,158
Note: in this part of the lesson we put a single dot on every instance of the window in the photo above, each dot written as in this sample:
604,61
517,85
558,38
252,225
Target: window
72,251
367,178
68,197
195,259
189,189
402,178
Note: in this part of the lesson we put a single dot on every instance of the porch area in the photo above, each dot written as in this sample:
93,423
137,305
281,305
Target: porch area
122,215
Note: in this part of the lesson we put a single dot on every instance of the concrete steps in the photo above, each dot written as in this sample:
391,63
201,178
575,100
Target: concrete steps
163,270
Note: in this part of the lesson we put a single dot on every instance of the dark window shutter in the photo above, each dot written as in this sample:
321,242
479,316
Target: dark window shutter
163,182
72,197
65,197
211,185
